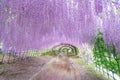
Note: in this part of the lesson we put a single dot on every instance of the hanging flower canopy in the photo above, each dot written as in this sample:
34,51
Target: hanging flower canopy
37,24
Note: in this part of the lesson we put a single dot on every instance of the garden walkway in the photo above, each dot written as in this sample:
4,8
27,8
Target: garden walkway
50,68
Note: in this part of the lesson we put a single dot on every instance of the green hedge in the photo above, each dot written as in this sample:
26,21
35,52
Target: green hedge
106,56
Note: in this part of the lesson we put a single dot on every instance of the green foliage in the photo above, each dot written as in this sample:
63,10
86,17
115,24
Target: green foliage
69,49
50,52
64,50
33,53
0,53
106,56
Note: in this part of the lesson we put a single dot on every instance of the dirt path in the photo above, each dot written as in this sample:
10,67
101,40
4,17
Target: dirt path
49,68
64,69
24,69
43,68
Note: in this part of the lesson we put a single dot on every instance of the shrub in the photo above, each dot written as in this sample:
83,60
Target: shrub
106,56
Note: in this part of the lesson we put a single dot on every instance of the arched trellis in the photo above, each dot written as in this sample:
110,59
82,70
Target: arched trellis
69,49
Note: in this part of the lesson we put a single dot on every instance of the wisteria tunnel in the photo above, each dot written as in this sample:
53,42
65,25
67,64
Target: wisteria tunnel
59,39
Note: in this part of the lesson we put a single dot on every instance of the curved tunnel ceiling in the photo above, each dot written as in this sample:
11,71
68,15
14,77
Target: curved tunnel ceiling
37,24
